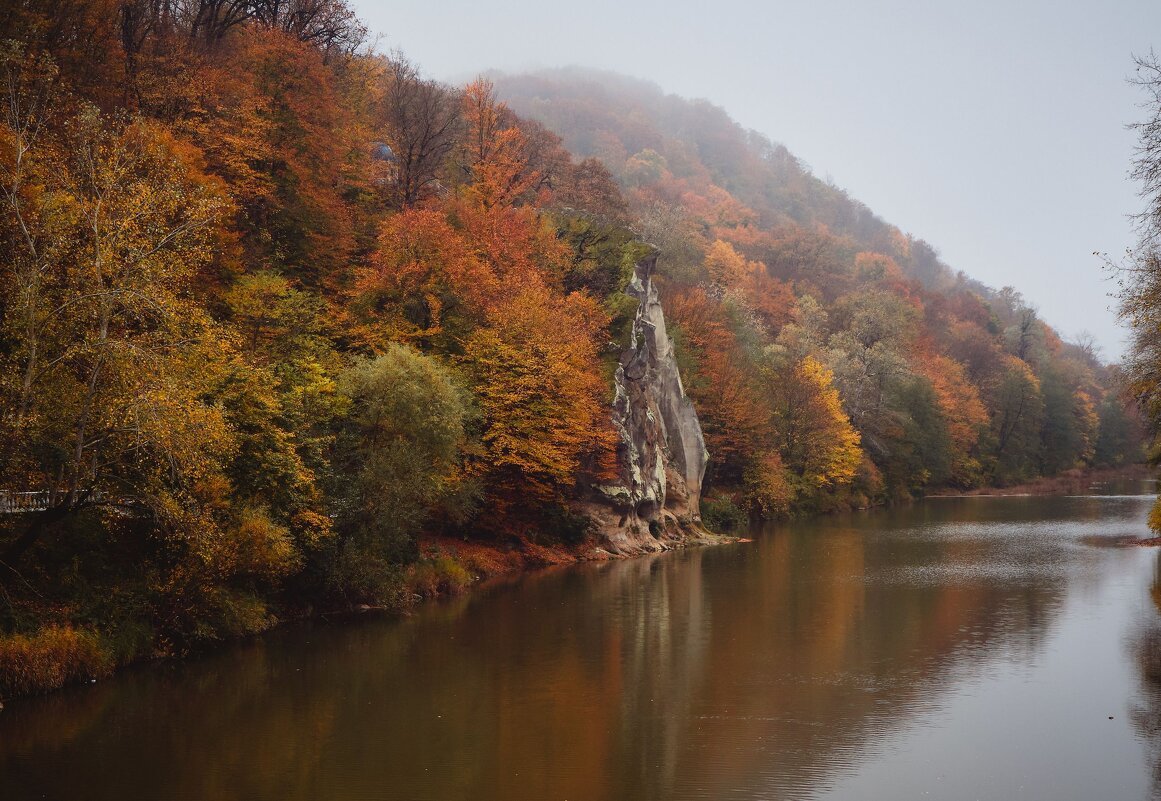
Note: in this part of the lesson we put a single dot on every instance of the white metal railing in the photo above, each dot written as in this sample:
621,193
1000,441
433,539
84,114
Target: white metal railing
17,502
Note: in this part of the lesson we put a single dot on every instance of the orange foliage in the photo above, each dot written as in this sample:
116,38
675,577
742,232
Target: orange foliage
729,406
422,266
496,155
963,410
541,392
959,400
724,264
515,242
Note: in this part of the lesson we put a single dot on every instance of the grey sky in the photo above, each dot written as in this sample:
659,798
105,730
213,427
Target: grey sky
994,130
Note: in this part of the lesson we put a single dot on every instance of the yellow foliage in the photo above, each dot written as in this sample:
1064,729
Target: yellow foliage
834,442
49,659
724,264
261,548
1155,516
809,428
1087,423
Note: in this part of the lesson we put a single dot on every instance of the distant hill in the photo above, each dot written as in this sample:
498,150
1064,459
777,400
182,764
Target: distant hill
623,121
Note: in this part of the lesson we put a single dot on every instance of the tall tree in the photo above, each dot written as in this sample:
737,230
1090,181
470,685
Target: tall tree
421,119
114,353
1140,281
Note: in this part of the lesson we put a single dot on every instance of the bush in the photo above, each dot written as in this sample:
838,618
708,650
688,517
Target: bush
51,658
722,514
561,524
358,574
440,575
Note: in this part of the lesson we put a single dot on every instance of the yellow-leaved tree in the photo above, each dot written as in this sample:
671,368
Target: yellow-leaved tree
812,433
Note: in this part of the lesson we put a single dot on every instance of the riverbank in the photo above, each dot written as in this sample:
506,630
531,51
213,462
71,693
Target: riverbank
757,669
60,655
450,565
1071,482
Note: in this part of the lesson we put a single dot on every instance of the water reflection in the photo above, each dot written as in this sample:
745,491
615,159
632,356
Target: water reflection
1145,647
777,669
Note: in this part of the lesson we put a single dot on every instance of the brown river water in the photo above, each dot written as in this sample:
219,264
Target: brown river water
961,648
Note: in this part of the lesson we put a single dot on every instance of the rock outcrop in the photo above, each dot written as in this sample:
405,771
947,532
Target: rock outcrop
661,454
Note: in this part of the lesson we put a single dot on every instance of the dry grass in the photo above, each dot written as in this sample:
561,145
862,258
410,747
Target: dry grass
51,658
436,576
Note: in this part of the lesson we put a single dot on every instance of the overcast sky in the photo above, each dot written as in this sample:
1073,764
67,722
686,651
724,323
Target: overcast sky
994,130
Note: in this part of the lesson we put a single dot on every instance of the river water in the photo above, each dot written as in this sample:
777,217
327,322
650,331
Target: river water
970,648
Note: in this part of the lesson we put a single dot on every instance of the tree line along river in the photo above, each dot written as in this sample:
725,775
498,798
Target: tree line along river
960,648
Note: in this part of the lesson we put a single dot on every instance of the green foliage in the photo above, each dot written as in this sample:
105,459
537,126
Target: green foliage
1018,409
562,524
198,251
922,455
723,514
436,576
398,456
1063,443
1119,440
604,254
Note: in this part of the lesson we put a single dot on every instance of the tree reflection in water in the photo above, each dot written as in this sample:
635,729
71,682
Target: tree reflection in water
1145,645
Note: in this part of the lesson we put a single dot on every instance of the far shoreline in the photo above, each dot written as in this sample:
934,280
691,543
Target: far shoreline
1077,481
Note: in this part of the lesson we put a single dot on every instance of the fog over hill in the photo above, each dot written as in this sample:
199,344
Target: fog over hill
994,131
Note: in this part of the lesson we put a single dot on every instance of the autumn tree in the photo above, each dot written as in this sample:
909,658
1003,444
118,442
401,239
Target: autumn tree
1140,279
107,334
1017,409
590,187
281,400
811,432
425,283
541,394
963,413
721,379
679,238
869,352
329,25
494,153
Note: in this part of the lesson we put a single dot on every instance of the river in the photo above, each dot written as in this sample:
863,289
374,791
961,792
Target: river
961,648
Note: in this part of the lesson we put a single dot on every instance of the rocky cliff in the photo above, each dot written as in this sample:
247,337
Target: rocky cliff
661,455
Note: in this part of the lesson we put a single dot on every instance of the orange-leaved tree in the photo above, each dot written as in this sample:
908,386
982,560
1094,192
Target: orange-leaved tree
425,284
540,390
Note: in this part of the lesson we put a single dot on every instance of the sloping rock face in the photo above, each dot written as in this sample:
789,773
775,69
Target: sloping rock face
661,454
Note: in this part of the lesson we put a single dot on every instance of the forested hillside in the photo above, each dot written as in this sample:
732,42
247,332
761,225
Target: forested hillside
785,290
273,306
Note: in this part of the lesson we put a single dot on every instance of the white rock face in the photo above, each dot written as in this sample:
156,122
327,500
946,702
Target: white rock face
662,454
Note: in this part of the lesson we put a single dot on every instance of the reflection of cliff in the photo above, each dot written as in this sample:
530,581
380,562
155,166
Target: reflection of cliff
830,648
756,670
